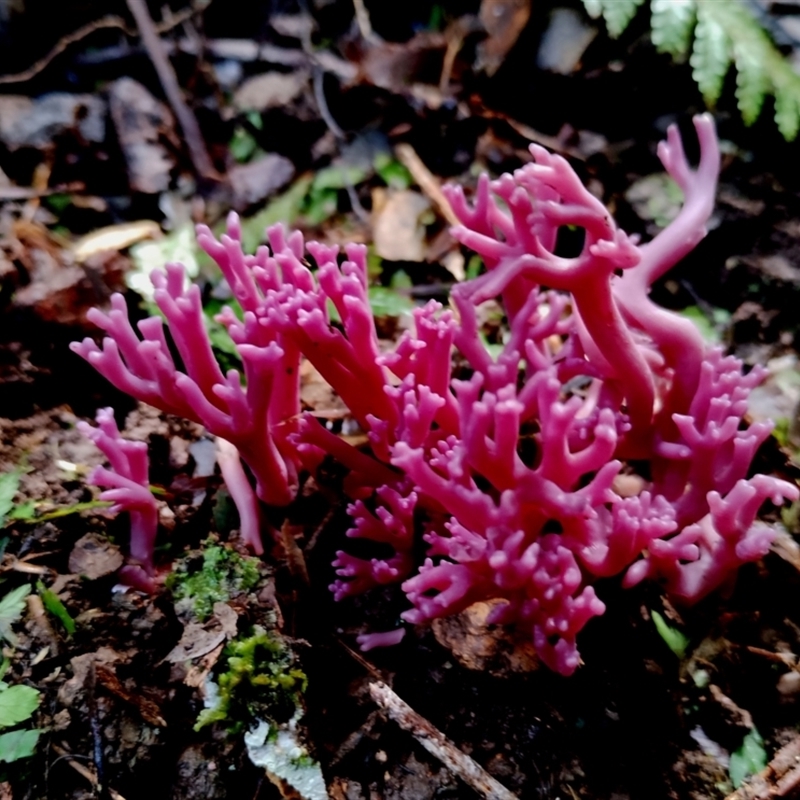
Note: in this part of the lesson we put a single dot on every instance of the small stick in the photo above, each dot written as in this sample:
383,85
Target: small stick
71,38
427,182
169,82
435,742
81,770
363,21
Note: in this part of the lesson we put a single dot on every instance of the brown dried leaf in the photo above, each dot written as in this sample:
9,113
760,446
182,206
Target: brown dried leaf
477,645
503,21
259,179
149,710
270,90
398,232
198,639
93,556
142,122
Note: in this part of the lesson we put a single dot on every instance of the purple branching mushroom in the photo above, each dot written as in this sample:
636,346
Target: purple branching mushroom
512,471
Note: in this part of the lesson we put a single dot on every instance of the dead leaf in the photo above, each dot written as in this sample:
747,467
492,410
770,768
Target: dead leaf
115,238
398,232
195,642
503,20
294,26
149,710
564,42
141,122
270,90
395,66
93,557
786,547
64,293
199,639
259,179
317,395
34,123
477,645
295,558
80,665
197,674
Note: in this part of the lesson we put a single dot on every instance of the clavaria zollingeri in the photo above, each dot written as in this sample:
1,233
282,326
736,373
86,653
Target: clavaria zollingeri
512,472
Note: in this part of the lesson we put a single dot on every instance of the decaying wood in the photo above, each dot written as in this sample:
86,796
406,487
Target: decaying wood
437,744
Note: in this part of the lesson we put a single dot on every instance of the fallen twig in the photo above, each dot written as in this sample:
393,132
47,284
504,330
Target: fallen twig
95,25
363,21
83,771
30,192
426,181
437,744
169,82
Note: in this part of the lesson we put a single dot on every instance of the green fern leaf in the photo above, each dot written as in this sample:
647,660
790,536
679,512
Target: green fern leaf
711,56
787,107
672,22
594,8
725,31
618,13
752,82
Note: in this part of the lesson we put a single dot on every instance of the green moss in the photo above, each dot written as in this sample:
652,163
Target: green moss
223,574
261,681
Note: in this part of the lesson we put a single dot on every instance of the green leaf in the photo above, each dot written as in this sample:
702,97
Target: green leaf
673,638
65,511
618,13
321,205
54,605
340,176
9,485
672,22
242,145
17,703
388,302
392,172
18,744
26,512
178,246
284,208
594,8
752,82
709,324
749,759
787,107
712,53
11,608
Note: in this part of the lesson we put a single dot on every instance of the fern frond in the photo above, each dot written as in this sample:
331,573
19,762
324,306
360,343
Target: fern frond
711,55
672,22
725,32
787,102
616,13
594,8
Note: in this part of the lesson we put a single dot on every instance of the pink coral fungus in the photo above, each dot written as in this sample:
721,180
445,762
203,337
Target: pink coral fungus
128,488
511,470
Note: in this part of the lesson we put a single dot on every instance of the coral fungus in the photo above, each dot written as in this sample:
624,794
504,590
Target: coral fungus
511,469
